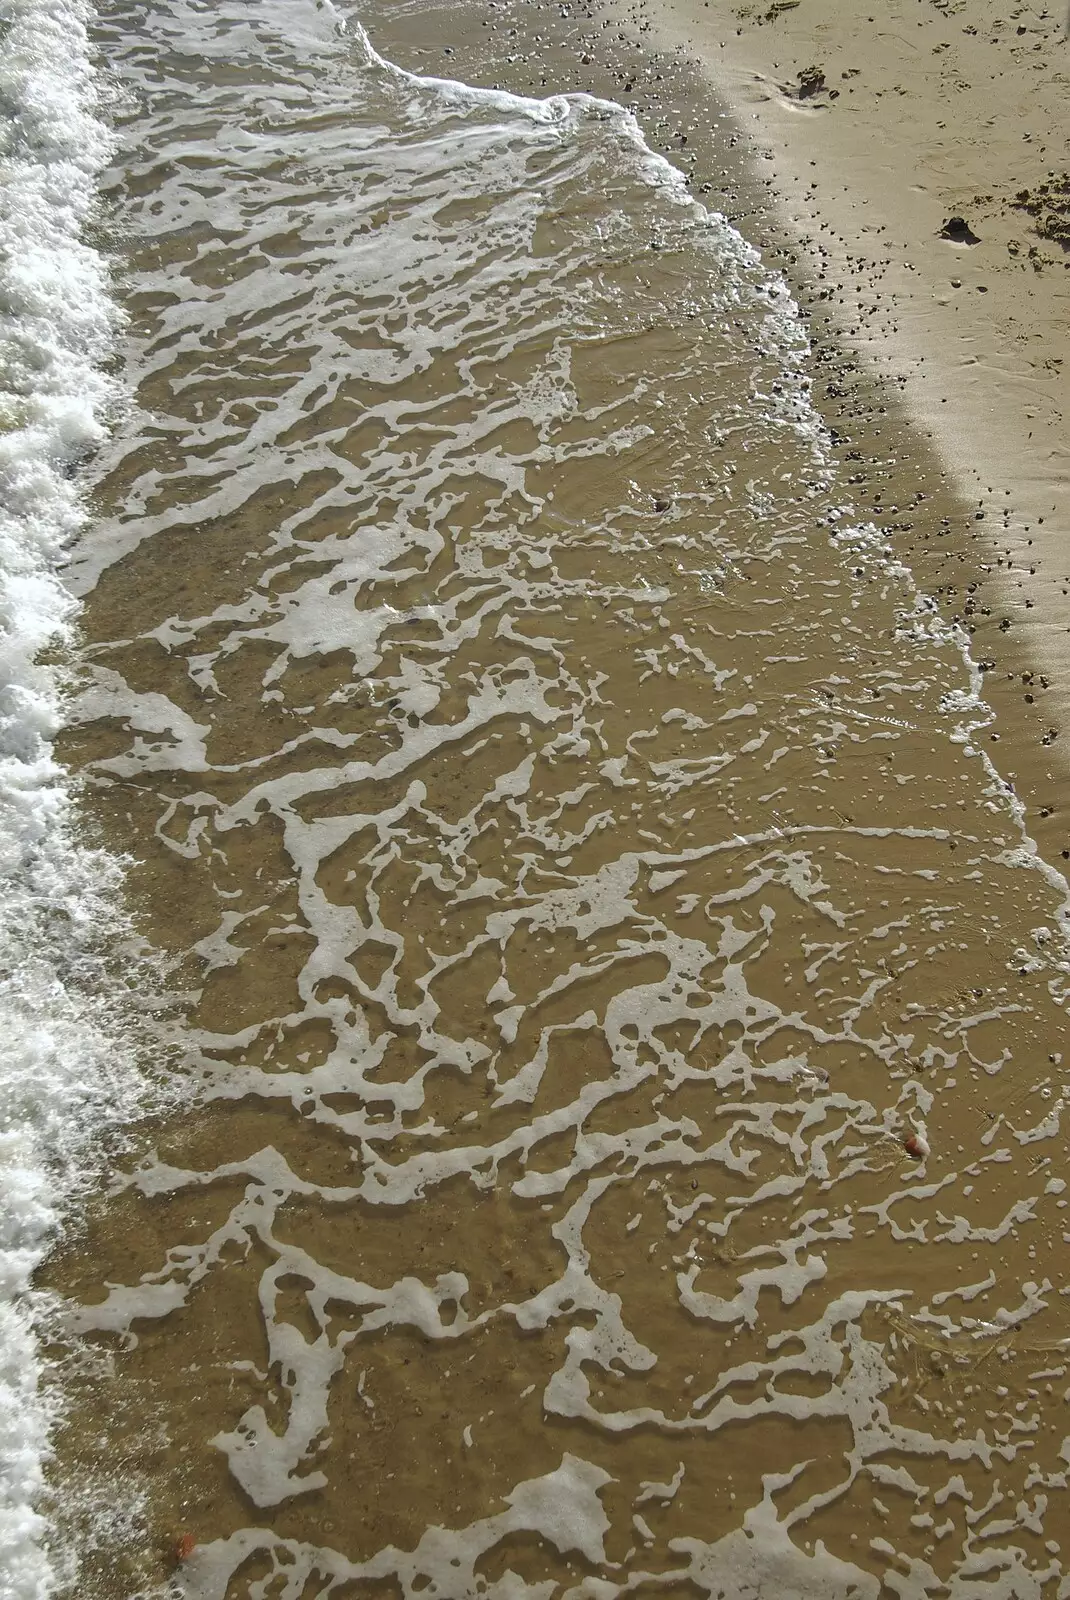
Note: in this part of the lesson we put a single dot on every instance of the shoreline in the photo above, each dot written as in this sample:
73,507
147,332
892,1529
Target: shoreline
889,346
880,145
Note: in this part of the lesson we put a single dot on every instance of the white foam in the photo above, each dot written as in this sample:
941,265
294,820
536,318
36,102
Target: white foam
778,1128
61,1073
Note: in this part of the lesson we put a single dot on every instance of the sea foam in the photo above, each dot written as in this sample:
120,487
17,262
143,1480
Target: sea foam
63,1072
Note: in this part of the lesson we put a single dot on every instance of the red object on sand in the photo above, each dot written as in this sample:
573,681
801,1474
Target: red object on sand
185,1545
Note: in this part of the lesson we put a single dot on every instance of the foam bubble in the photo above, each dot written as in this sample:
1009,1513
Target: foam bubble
63,1074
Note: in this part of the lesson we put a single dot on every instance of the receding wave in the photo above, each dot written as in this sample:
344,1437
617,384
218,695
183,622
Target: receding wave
624,1007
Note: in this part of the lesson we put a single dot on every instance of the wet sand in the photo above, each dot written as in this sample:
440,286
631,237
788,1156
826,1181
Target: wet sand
938,363
848,184
624,1017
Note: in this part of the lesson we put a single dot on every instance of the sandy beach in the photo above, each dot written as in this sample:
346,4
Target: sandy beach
906,172
619,1015
920,152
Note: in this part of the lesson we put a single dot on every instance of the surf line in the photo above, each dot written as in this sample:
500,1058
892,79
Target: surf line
65,1072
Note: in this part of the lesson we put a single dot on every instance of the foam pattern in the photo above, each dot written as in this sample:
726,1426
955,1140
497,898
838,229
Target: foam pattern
589,882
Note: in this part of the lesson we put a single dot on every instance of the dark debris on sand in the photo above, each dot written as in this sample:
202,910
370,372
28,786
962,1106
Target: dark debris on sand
958,230
1049,206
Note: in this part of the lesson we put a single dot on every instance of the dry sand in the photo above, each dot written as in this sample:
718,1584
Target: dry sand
884,120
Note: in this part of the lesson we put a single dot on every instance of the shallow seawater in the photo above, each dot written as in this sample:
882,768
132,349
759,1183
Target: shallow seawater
622,1014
